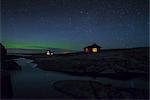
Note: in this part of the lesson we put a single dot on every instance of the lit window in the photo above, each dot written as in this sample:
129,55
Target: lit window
86,49
94,49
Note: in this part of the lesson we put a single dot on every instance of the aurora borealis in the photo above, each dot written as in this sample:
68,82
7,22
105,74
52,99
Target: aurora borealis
73,24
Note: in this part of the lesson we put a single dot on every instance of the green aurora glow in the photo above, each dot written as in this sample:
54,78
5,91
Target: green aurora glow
32,45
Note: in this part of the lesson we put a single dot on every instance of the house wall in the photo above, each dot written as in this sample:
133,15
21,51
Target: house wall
89,50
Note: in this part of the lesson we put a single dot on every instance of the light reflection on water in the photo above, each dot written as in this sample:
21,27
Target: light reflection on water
34,82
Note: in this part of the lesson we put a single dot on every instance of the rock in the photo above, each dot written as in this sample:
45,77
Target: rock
6,86
3,52
97,90
7,64
108,71
10,65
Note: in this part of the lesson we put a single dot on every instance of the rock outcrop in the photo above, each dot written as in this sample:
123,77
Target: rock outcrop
7,64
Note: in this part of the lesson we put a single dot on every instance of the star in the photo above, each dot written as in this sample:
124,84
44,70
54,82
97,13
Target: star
70,20
81,12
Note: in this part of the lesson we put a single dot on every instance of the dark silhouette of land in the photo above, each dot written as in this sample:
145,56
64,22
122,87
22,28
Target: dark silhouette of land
7,64
113,64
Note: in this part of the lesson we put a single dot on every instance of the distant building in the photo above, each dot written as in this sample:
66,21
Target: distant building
49,53
92,49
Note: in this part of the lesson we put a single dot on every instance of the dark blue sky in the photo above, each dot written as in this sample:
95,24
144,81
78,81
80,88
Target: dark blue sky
73,24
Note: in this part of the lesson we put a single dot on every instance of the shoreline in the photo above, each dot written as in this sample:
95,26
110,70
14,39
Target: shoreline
118,76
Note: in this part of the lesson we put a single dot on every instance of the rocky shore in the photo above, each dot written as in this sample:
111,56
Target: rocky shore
115,64
92,89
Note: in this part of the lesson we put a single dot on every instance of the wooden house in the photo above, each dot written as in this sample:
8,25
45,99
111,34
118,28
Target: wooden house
94,48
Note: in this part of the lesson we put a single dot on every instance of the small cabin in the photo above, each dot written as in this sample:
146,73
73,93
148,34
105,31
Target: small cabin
49,53
92,49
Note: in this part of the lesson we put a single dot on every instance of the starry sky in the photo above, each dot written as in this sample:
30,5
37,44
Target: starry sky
74,24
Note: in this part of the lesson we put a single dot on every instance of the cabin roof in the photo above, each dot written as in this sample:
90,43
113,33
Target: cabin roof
93,46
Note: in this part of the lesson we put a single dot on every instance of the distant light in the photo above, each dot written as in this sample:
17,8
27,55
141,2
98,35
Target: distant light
48,53
65,52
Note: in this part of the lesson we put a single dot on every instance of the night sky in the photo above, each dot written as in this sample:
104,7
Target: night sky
74,24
